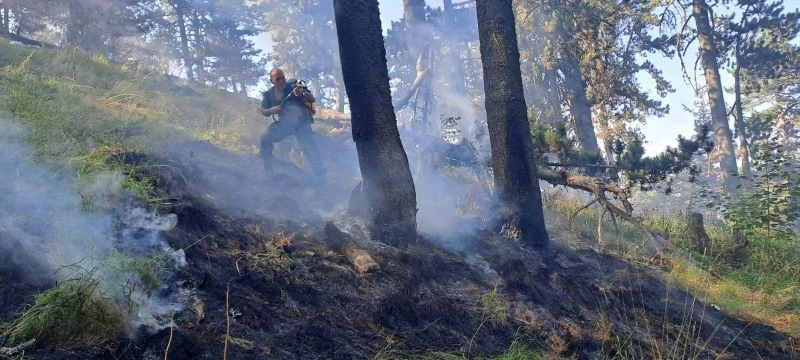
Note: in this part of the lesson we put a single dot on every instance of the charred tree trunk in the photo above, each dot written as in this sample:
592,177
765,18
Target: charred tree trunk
579,105
387,184
723,139
509,130
741,131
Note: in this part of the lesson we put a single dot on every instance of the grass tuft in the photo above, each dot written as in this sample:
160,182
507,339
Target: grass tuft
69,314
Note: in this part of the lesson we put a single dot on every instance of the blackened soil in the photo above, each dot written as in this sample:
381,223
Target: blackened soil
310,303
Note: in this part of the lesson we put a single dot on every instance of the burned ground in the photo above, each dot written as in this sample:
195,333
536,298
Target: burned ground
260,270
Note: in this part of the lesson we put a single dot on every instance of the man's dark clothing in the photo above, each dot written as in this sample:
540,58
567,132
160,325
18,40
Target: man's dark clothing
294,119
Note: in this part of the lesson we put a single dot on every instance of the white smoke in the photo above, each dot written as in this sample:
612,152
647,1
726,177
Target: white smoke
50,224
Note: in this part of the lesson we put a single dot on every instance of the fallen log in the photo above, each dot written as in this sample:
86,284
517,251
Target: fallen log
330,114
26,41
343,243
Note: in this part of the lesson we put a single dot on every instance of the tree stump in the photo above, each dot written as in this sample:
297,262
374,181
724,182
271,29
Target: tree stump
697,233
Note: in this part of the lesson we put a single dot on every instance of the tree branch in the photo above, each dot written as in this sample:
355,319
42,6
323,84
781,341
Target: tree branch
9,352
421,74
600,188
26,41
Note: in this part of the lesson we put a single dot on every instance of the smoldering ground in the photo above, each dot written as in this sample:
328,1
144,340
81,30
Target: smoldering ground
54,228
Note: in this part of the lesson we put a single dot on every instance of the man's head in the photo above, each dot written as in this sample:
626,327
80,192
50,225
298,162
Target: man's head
277,78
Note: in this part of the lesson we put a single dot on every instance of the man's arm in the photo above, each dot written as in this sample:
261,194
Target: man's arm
270,111
266,105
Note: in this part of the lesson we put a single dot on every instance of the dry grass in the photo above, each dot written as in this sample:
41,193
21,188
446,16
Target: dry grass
775,309
268,258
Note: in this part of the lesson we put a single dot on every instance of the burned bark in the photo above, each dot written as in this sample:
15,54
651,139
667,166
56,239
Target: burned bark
509,130
387,183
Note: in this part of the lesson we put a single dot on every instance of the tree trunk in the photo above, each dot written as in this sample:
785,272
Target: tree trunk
509,130
578,104
741,130
181,13
697,233
418,38
413,17
5,16
553,101
340,91
388,187
723,140
457,84
74,22
608,143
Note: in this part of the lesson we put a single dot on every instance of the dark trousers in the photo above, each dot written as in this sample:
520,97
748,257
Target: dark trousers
280,130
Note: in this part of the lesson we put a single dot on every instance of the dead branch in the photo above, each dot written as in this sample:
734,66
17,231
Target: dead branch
600,188
600,226
26,41
574,214
228,320
330,114
421,74
9,352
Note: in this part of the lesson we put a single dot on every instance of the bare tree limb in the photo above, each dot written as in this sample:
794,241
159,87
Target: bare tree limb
421,74
330,114
26,41
600,188
9,352
574,214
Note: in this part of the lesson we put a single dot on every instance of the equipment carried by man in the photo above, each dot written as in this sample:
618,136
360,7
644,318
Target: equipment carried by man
299,88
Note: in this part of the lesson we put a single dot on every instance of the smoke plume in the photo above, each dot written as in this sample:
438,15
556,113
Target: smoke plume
51,225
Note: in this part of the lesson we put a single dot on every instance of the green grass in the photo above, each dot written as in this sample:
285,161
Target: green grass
83,113
745,287
70,314
519,349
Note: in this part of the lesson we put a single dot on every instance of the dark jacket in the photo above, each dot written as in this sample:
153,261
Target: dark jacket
293,109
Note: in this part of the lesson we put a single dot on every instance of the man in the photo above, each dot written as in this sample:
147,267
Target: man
289,102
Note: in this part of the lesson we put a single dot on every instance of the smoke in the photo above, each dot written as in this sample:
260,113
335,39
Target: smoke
53,228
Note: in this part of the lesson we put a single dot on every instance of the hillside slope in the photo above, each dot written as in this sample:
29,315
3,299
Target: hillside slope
263,277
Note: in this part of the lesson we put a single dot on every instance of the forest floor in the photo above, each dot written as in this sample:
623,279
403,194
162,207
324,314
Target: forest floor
262,279
265,283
